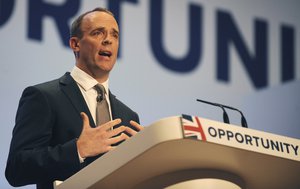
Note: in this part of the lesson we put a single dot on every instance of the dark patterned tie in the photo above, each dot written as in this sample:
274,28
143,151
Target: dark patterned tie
102,110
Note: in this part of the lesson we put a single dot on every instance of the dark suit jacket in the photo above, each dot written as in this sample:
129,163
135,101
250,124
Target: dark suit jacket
48,122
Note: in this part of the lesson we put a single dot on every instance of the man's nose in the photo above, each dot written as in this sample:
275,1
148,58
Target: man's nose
106,41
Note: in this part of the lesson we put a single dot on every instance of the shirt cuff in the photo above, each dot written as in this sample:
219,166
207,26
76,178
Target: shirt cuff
81,159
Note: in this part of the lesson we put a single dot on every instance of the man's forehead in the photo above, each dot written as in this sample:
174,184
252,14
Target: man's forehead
99,19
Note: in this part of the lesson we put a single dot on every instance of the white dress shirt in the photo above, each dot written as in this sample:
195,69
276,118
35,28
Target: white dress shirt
86,85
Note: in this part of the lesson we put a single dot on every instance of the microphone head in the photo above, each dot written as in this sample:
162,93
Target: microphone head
244,122
225,116
99,98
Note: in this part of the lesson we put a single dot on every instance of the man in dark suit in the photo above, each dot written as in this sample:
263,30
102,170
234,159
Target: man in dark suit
56,134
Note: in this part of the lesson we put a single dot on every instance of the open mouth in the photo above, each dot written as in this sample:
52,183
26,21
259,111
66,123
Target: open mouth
105,53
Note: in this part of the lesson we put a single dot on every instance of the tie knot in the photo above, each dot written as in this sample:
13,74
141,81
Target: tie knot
101,92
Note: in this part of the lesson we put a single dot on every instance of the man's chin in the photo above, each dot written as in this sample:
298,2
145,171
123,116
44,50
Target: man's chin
104,68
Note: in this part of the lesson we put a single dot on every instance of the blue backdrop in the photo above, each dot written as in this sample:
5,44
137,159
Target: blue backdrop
240,53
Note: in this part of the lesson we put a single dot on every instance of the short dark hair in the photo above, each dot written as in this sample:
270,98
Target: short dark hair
75,30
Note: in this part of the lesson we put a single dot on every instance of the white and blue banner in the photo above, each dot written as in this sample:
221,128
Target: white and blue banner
245,54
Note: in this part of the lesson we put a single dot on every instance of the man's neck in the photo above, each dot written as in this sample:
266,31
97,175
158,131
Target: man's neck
100,76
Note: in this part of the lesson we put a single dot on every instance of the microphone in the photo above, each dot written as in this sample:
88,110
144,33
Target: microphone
99,98
225,115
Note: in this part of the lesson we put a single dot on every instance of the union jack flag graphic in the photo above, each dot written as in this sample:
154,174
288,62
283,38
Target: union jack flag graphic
192,127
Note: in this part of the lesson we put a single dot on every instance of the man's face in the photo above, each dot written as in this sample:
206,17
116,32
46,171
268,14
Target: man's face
98,47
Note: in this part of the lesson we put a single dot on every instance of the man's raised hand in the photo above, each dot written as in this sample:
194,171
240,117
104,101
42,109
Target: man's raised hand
94,141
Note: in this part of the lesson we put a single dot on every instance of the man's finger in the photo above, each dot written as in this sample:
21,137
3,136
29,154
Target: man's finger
110,124
130,131
136,125
85,119
117,139
116,131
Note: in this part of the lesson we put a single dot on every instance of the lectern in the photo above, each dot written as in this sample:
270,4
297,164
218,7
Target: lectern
183,148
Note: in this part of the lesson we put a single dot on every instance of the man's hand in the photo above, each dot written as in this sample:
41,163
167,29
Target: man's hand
94,141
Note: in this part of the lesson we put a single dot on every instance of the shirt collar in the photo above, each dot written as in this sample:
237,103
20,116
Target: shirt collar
86,81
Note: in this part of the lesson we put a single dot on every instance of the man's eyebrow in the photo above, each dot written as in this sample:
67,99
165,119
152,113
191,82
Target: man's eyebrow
102,28
115,31
98,28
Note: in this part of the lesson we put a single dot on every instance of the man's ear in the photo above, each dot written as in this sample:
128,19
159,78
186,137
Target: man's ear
74,44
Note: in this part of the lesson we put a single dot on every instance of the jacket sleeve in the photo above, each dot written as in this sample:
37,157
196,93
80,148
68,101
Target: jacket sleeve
33,158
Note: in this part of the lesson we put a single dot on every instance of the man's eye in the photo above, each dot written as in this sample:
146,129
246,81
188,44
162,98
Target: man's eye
98,33
116,36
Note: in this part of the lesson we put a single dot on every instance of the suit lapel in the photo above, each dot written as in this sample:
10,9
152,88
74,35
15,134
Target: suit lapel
113,105
73,93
